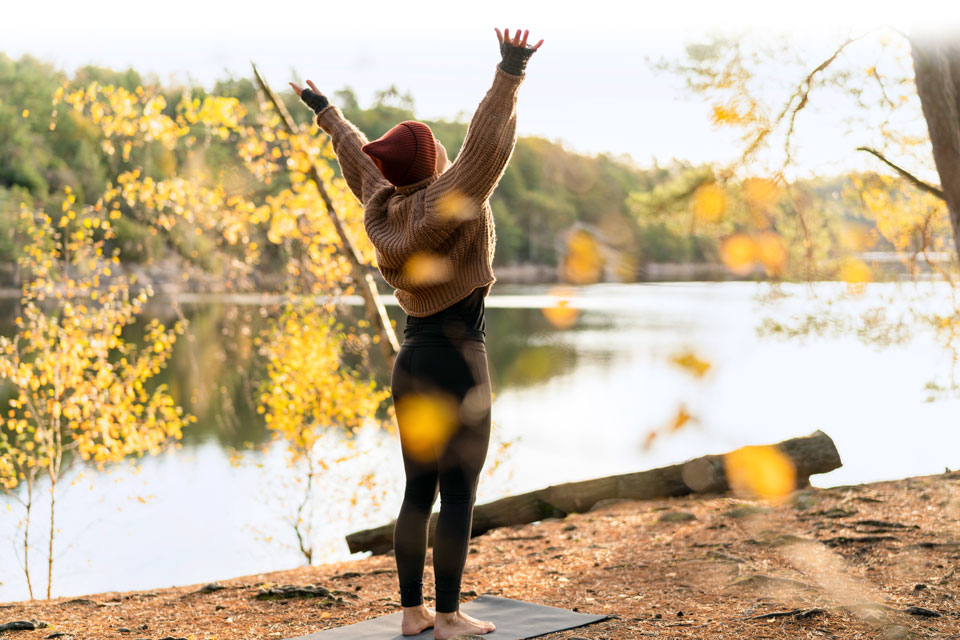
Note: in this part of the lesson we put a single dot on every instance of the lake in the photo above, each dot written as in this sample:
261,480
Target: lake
569,404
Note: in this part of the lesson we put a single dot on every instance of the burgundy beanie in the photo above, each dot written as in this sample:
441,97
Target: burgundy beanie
406,154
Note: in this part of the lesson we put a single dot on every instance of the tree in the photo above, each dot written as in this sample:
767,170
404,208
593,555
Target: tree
904,110
78,388
936,64
725,70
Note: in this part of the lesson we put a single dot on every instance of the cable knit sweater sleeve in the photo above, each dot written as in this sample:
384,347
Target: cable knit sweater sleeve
459,193
361,174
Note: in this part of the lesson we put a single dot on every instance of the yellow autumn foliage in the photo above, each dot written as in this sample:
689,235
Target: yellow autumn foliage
307,390
67,392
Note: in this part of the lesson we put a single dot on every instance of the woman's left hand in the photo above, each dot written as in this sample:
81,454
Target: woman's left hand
311,97
312,86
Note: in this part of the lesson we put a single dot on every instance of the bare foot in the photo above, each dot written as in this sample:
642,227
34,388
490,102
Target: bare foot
448,625
416,619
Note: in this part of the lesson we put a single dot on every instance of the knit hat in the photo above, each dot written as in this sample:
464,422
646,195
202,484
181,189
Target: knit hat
406,154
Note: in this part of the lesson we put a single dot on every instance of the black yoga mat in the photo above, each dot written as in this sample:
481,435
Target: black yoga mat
515,620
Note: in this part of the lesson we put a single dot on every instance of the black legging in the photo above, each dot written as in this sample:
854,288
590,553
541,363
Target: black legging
455,377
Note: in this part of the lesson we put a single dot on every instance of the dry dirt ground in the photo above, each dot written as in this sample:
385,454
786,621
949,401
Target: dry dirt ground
866,561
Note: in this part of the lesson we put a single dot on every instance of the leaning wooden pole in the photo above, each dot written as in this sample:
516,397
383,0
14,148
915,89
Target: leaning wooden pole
811,454
362,278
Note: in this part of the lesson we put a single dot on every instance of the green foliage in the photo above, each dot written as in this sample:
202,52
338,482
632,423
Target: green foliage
546,189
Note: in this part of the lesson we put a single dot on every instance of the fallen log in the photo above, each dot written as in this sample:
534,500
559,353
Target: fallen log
811,454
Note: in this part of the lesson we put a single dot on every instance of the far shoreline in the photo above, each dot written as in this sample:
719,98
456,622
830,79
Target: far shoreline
168,278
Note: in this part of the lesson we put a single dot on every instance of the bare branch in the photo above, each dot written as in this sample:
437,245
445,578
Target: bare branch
803,93
883,90
809,263
917,182
363,280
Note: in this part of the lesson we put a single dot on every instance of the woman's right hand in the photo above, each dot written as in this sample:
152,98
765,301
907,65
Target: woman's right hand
517,42
515,52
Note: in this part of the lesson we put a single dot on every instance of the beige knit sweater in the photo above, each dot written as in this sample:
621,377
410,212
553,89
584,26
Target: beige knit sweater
434,239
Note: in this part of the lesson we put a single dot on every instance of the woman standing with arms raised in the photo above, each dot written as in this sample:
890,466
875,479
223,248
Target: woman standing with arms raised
430,223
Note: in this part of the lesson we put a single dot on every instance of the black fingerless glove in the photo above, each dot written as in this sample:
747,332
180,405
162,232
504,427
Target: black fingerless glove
514,58
316,101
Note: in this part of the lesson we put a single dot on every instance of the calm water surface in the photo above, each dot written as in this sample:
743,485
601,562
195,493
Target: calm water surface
569,405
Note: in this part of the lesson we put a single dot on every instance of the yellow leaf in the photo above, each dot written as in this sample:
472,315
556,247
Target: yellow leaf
691,363
648,440
680,419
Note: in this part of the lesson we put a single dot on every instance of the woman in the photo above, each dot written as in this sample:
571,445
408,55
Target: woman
432,228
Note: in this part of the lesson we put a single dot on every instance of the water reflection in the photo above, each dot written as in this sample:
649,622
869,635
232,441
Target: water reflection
578,402
214,369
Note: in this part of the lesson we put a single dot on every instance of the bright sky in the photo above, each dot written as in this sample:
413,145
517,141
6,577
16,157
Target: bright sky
591,86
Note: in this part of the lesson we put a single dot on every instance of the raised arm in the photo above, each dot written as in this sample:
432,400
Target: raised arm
361,175
459,193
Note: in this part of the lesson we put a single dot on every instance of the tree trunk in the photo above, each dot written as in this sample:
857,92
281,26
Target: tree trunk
811,454
936,66
363,280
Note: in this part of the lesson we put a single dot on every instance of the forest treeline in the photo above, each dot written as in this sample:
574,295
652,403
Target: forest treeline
655,214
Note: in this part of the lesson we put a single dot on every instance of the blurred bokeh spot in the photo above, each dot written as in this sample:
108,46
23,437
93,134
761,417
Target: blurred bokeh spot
741,252
760,193
455,205
760,471
771,252
426,267
476,404
856,274
738,253
857,236
709,203
426,422
583,262
561,315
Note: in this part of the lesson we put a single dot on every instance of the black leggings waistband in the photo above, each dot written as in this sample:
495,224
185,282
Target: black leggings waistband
438,339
